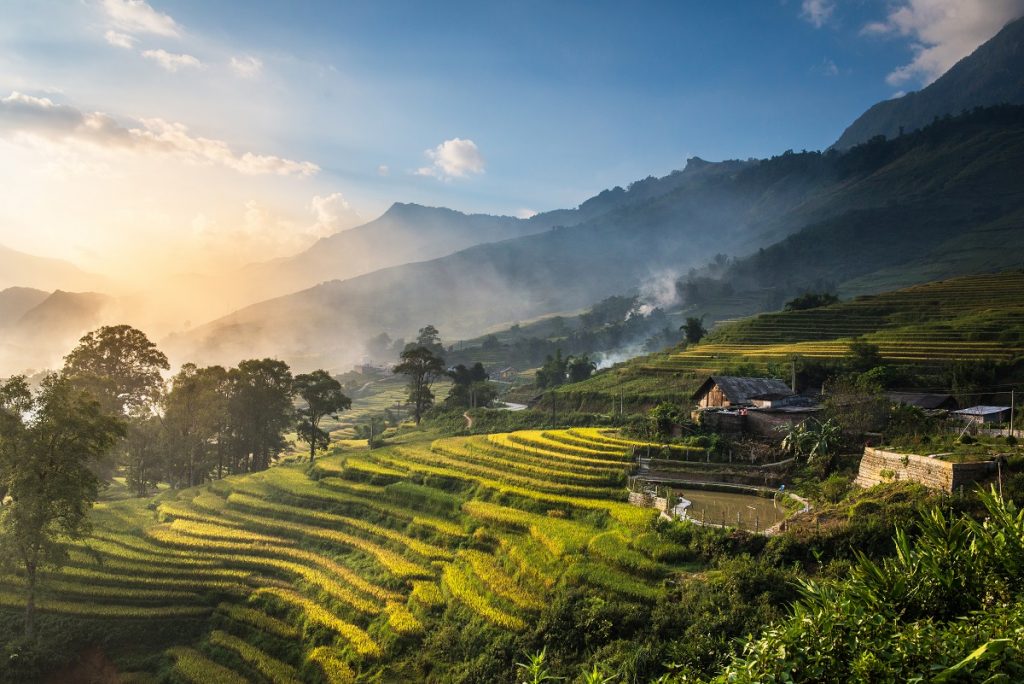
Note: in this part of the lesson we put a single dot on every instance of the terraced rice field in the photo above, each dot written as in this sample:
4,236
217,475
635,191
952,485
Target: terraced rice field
974,318
317,574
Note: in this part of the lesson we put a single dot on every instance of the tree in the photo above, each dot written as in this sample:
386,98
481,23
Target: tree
579,368
553,372
195,423
693,329
864,356
323,397
856,404
120,367
811,300
470,386
260,411
423,367
429,338
47,443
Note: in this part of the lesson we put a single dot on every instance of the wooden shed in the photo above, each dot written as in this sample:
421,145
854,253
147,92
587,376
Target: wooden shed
723,391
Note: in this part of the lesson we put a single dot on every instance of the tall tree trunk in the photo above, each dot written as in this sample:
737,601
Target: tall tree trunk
30,601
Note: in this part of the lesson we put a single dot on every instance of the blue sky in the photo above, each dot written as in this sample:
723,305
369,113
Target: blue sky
345,107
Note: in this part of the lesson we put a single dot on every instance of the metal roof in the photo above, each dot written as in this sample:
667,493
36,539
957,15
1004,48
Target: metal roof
741,390
982,410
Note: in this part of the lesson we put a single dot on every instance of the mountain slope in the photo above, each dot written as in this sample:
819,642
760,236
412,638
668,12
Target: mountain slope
884,204
993,74
18,269
48,331
16,301
943,201
409,233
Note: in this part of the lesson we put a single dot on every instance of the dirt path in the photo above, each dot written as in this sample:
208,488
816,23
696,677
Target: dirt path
469,420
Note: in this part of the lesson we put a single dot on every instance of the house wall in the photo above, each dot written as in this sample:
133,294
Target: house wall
714,398
878,466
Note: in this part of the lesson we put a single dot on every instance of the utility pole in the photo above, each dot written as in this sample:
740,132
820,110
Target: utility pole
1014,434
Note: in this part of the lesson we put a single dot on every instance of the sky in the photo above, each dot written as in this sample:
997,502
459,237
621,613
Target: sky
144,137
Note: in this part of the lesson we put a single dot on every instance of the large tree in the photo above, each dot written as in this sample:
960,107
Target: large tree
470,386
323,397
120,366
47,443
260,409
429,338
422,367
195,420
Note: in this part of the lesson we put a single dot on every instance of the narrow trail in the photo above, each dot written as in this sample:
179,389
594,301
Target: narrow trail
469,420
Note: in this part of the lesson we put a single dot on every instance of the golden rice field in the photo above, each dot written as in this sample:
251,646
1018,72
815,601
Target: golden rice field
973,318
321,573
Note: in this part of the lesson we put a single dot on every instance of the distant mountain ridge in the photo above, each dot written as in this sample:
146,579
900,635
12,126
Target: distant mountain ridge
48,326
993,74
18,269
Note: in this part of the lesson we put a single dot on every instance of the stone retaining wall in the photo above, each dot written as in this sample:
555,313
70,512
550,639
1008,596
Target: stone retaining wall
877,466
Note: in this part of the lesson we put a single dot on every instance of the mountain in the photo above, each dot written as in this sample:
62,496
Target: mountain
653,227
45,333
803,218
993,74
409,233
15,302
943,201
18,269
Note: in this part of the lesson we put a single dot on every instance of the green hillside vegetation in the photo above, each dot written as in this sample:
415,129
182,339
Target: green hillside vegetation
311,575
922,332
447,559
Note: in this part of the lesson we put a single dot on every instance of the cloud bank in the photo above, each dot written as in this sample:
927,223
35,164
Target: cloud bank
942,33
42,117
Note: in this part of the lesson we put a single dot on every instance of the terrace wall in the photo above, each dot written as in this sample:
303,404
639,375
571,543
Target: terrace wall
878,466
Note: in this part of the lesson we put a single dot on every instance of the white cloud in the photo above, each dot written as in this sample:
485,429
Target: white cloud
817,12
942,32
136,16
247,66
525,213
827,68
332,213
42,117
453,158
121,40
171,61
383,170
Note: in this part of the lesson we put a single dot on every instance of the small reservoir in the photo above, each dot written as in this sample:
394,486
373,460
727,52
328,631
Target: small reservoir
745,511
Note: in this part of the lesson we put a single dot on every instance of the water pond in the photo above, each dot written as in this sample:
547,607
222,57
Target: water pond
746,511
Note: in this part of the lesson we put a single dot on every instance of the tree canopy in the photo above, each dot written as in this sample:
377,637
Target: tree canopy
323,397
422,366
120,366
47,444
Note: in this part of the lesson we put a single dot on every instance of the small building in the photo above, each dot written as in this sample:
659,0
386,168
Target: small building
983,414
508,374
724,391
773,400
924,400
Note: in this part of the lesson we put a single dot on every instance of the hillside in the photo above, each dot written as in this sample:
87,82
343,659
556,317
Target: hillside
993,74
943,201
877,206
16,301
18,269
925,329
359,563
44,333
